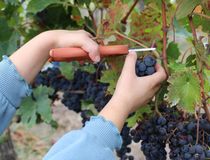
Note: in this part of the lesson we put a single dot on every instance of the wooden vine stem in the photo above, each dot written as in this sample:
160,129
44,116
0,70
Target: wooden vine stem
165,30
200,75
124,20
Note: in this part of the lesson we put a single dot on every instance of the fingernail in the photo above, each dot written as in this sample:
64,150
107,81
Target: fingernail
97,58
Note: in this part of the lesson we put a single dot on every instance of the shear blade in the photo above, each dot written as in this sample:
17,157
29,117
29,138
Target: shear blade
141,49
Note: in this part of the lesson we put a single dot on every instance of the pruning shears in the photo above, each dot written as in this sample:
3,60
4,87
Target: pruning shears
78,54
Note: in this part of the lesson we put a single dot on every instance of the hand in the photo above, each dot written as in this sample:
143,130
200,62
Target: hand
31,57
134,91
80,38
131,91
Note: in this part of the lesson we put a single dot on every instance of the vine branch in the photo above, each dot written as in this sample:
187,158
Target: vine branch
93,19
193,28
165,30
136,41
124,20
205,107
202,15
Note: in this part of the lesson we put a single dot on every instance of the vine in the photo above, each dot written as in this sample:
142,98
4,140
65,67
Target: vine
179,113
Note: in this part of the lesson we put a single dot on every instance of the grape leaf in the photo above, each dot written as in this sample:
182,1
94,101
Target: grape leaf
184,90
67,69
114,16
147,32
88,68
176,67
35,6
186,7
43,103
30,108
5,31
86,105
138,115
12,2
200,21
9,46
27,111
172,52
111,77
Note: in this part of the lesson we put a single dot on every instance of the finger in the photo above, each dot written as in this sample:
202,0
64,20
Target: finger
86,33
160,75
130,63
92,48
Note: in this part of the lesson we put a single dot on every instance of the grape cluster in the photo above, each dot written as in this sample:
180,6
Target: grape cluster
122,153
52,77
83,86
146,66
183,142
153,132
96,92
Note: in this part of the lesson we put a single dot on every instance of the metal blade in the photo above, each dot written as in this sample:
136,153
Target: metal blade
141,49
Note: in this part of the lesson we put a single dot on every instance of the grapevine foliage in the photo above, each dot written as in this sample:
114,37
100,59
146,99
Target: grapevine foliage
177,116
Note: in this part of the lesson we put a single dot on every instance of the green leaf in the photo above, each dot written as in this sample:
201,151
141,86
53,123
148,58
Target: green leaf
201,21
89,68
30,109
2,5
5,31
138,115
9,46
43,102
176,67
67,69
12,2
111,77
35,6
186,7
173,51
191,60
184,90
87,105
27,111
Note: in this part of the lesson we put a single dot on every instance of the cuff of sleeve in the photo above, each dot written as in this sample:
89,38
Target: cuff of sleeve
105,131
12,84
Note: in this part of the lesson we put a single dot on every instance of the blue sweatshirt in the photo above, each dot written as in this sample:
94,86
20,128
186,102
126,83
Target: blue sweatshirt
96,141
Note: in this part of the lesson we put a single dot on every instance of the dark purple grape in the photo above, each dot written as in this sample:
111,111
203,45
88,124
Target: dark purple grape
149,61
150,70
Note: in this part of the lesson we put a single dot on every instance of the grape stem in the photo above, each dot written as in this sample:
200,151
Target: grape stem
165,30
124,20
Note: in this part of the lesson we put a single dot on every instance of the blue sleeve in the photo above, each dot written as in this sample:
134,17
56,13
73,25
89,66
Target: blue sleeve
12,89
96,141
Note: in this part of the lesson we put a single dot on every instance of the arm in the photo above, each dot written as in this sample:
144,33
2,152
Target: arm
101,135
22,66
131,92
30,58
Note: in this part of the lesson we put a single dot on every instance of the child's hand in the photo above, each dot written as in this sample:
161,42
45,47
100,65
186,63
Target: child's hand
134,91
131,91
31,57
80,38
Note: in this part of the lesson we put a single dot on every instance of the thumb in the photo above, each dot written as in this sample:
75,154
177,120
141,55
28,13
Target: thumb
130,63
160,74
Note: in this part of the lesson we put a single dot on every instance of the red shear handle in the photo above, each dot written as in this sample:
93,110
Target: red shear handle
71,54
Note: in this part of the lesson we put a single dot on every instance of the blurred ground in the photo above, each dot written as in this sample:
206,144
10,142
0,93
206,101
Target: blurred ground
33,143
